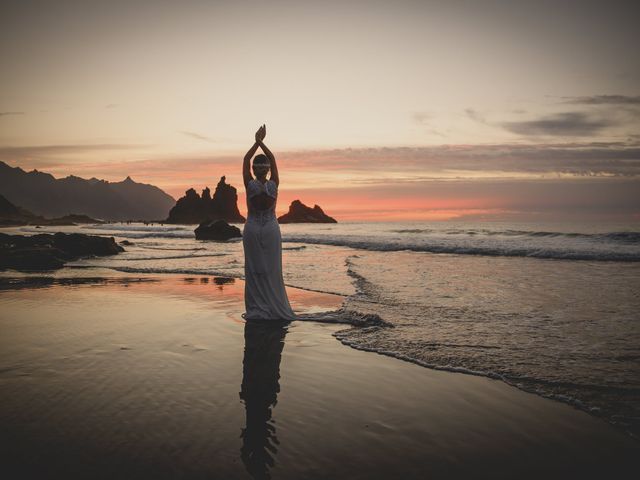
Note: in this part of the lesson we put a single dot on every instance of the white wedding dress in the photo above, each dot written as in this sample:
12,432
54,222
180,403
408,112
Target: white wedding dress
265,297
264,294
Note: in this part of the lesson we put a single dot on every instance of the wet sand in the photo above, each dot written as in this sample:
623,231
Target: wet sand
107,375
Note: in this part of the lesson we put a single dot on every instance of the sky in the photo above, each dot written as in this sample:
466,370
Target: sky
375,110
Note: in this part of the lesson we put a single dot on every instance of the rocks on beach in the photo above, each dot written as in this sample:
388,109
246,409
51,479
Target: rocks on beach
217,230
51,251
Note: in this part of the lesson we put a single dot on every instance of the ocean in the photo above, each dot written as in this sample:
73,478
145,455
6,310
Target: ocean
549,308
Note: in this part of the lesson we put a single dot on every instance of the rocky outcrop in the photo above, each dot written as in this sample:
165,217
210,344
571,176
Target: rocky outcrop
12,215
45,195
217,230
49,252
300,213
193,208
188,209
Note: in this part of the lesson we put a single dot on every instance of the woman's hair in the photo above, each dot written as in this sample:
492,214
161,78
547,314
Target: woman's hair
261,159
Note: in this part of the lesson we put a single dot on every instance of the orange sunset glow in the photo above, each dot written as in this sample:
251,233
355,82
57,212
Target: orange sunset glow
369,107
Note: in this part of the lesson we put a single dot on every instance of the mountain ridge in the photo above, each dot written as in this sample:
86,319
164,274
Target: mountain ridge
43,194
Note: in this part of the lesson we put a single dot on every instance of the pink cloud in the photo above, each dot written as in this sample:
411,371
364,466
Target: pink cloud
403,183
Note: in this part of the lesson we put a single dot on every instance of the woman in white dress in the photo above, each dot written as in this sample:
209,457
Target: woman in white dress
264,294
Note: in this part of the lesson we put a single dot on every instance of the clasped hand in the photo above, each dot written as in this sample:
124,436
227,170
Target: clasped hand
261,133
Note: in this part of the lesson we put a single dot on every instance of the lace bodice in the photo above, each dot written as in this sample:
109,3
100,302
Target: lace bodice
255,187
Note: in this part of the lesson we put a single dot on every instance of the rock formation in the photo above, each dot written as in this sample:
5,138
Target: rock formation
193,208
49,252
217,230
300,213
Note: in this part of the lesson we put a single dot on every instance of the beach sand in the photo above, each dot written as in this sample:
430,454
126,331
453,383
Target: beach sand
108,375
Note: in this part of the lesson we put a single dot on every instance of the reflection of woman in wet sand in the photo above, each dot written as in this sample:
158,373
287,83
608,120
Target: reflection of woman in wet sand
263,343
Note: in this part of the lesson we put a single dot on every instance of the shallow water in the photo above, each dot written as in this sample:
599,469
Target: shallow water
551,309
110,375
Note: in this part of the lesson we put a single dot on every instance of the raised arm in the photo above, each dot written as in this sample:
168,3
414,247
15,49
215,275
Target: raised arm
246,164
274,168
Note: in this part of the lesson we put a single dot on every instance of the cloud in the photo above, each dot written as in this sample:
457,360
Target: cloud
406,168
13,152
470,161
421,117
197,136
603,100
410,182
557,198
11,113
569,124
476,116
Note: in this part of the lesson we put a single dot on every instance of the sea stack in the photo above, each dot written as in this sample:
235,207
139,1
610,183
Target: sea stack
194,208
300,213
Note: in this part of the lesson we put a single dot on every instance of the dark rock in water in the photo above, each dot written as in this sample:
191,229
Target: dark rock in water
189,209
300,213
225,199
126,242
32,258
48,252
79,244
217,230
193,208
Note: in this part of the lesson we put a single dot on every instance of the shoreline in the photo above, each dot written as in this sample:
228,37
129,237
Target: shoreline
142,373
79,275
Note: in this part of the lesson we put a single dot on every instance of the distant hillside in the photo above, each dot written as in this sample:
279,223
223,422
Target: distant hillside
42,194
12,215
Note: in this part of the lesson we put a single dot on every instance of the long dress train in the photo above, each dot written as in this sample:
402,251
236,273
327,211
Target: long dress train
265,297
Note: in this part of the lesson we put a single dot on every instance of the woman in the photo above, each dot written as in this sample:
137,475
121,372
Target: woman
264,294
